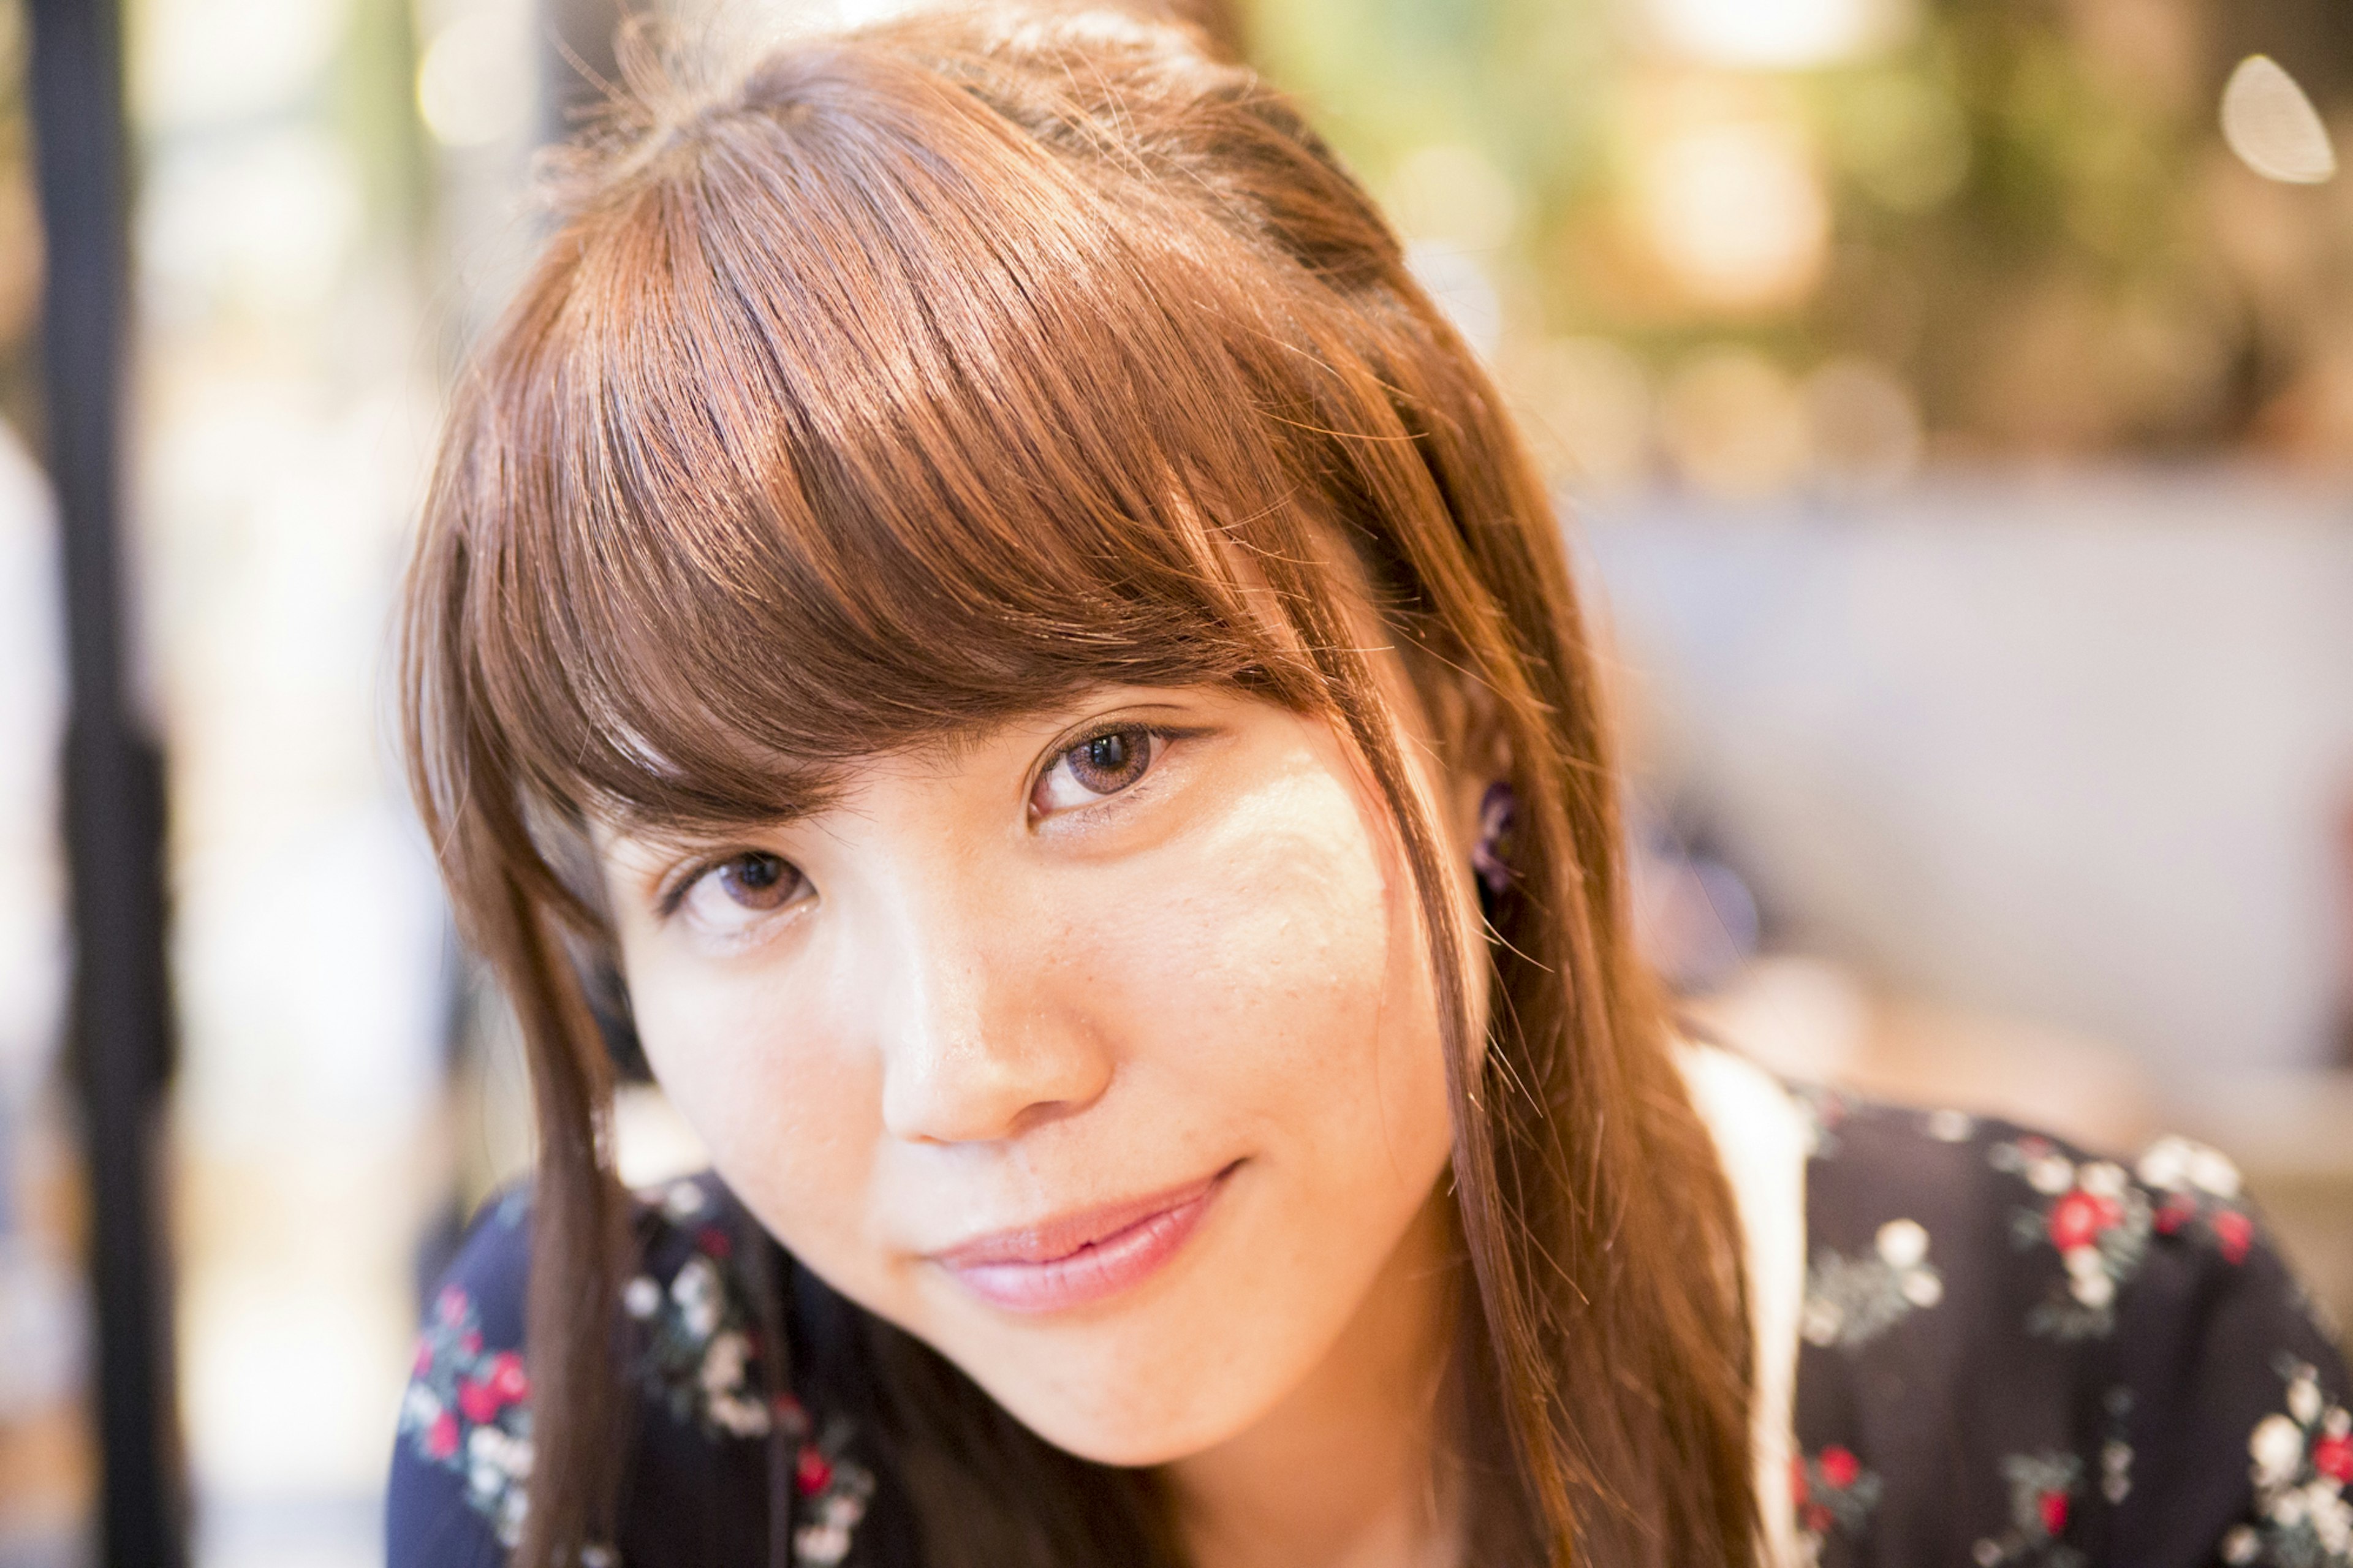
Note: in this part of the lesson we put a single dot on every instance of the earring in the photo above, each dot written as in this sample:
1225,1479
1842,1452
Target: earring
1491,857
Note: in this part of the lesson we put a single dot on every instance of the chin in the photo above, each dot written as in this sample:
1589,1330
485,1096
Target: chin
1134,1399
1130,1439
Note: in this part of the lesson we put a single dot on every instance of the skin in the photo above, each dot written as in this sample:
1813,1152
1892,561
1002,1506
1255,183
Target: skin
987,992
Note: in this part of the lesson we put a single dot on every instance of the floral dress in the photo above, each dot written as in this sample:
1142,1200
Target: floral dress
2010,1353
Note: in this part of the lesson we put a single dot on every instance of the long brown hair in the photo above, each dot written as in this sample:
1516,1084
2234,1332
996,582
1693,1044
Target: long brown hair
912,379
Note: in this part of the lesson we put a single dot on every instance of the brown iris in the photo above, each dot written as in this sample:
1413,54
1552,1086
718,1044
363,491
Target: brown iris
757,881
1110,762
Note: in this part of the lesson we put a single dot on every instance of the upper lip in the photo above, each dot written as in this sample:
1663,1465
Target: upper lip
1051,1240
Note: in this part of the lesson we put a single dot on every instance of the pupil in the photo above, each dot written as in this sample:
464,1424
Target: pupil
1112,762
756,881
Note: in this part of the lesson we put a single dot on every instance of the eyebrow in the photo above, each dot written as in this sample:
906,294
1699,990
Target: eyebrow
810,789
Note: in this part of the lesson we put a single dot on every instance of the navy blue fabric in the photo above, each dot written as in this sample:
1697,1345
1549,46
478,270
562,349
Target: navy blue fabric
2013,1354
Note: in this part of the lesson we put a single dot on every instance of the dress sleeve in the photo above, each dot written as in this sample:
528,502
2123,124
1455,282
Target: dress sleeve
462,1454
2016,1354
2241,1447
695,1493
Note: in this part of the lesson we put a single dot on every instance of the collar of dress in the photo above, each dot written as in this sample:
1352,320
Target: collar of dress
1762,1139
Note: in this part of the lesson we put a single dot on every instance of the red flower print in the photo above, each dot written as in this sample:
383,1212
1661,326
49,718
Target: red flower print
470,1343
2076,1221
476,1401
424,1363
441,1442
1818,1518
507,1381
2333,1457
451,1304
2176,1213
714,1242
2055,1512
812,1473
1839,1467
2234,1233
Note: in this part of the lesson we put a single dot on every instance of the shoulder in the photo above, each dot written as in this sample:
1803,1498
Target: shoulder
2083,1245
694,1351
463,1448
2020,1351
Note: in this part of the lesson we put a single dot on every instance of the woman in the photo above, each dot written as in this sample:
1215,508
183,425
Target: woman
973,590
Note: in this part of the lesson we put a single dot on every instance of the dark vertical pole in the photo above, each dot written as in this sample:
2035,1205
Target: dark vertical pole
113,778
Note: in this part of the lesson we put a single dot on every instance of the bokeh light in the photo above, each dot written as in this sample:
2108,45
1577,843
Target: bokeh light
1779,33
466,81
2272,127
1734,205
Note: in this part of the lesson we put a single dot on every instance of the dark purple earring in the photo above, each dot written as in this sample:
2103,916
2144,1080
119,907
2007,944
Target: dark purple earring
1491,857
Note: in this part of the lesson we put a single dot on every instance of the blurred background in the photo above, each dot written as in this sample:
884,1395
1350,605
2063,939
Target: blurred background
1951,401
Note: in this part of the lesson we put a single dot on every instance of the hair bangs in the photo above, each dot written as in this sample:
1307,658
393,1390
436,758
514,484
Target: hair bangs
716,564
916,379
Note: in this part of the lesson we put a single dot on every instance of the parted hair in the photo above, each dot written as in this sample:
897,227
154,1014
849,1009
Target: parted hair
897,383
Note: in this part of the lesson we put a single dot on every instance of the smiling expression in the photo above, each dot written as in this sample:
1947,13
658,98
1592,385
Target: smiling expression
1099,1052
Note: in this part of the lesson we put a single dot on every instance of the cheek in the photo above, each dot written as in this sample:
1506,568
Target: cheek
1261,986
791,1124
1282,969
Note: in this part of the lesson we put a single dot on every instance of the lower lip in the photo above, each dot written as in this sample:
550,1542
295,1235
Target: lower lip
1095,1272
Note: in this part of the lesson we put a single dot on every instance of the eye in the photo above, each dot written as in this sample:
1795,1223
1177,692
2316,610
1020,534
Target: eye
1100,765
734,894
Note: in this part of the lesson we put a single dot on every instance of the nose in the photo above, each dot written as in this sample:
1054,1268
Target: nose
985,1035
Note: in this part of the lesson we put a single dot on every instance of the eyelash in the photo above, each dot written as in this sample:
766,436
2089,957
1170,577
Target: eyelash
1160,737
683,882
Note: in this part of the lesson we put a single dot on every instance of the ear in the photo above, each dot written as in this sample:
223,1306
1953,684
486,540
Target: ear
1477,751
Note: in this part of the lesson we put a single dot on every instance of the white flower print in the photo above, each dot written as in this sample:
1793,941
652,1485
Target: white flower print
698,1357
2116,1470
1902,1242
467,1410
1950,1126
2301,1462
2277,1445
696,1292
835,1494
2050,1174
1851,1302
2102,1179
2095,1218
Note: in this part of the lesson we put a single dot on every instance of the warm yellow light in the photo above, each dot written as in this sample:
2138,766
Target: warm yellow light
1452,195
1736,211
1779,34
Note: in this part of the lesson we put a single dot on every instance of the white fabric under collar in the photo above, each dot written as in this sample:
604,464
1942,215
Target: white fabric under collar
1761,1136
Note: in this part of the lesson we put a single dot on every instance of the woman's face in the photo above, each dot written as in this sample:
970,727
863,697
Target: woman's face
1100,1053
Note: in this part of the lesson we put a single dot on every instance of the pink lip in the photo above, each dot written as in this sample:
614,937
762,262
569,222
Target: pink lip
1075,1260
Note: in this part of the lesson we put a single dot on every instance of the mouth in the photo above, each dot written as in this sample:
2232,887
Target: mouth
1078,1259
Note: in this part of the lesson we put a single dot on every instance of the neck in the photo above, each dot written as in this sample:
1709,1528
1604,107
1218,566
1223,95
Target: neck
1349,1471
